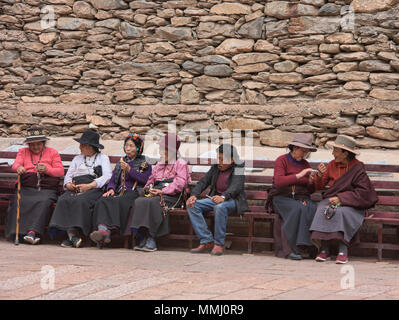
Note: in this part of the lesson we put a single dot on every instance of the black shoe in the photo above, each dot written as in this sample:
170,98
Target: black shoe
67,243
294,256
76,241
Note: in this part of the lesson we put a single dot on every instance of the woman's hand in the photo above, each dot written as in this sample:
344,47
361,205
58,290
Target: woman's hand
125,166
21,170
155,192
87,186
190,201
71,187
334,200
321,169
303,173
109,193
41,168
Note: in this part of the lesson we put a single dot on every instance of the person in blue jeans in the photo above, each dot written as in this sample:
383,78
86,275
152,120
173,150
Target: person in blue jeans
226,196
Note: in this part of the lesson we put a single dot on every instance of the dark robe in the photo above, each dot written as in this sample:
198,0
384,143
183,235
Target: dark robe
356,194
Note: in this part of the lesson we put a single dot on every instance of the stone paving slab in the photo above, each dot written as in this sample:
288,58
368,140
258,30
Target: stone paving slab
175,274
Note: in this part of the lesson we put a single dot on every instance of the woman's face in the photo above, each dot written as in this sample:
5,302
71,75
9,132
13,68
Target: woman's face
300,153
36,147
86,150
130,149
339,155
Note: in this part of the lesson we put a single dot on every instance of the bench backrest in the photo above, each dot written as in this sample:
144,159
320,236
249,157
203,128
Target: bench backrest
256,184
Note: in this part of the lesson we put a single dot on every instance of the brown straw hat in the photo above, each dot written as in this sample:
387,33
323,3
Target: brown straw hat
35,134
303,140
344,142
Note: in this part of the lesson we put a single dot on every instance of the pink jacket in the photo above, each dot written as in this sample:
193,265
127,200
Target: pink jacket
51,158
178,171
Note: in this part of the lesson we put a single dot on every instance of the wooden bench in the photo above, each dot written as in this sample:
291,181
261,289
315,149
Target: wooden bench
7,185
384,215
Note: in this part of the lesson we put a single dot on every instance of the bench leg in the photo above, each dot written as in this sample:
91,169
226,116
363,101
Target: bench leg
133,241
191,233
380,228
126,242
250,234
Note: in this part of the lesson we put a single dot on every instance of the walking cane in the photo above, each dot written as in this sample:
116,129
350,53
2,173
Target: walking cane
16,242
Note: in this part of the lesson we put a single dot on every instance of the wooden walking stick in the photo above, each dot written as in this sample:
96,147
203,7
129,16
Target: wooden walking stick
16,242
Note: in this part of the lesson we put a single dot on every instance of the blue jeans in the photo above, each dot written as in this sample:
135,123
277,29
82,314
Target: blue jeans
221,211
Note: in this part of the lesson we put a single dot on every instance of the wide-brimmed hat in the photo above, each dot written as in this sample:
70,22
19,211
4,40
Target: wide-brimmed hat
303,140
91,138
170,141
35,134
344,142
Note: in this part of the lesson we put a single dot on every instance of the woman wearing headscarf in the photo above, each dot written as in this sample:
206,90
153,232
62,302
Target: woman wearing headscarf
40,169
128,179
88,173
164,189
350,193
290,198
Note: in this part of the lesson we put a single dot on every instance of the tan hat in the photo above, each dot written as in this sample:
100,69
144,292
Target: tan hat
35,134
344,142
303,140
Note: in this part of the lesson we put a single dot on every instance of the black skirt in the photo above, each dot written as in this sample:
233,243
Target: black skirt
35,210
147,213
75,211
114,211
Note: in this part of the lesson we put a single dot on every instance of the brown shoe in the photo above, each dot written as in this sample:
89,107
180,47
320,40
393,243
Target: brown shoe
217,250
203,248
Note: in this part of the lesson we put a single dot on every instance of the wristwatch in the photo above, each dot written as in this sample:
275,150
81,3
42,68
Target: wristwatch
224,198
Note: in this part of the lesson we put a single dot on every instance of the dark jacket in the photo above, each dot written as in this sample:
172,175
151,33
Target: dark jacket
354,189
235,188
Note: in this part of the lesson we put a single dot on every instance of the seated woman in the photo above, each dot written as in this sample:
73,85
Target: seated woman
164,189
88,173
341,213
128,179
290,198
40,168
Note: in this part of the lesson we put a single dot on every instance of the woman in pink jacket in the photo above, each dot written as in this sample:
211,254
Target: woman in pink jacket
164,188
40,168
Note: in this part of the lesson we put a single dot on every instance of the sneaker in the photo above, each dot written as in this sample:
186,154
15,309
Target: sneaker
294,256
76,241
67,243
323,256
97,236
203,248
150,245
141,244
342,258
31,238
217,250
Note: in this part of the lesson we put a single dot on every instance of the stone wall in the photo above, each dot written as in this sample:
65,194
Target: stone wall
124,54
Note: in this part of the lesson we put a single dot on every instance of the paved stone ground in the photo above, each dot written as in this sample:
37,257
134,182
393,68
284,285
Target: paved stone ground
112,273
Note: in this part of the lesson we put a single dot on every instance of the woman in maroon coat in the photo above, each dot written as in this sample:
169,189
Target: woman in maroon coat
341,213
290,198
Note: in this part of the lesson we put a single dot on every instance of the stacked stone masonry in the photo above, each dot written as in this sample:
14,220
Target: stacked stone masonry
276,67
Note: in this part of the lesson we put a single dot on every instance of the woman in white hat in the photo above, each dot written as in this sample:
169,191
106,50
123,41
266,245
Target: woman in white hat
290,198
341,213
40,168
